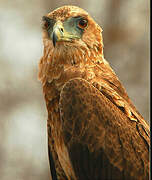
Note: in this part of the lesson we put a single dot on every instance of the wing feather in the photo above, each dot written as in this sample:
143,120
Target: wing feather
101,140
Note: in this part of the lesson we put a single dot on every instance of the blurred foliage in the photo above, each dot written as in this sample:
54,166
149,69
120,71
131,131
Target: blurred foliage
23,135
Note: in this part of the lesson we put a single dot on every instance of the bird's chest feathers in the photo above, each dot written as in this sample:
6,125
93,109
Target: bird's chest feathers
62,74
66,62
59,71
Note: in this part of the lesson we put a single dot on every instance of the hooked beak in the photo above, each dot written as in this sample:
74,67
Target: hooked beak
60,34
54,38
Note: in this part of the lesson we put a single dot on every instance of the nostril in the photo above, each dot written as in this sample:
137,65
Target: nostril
61,29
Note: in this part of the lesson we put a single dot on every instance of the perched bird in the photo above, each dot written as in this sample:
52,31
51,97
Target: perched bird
94,130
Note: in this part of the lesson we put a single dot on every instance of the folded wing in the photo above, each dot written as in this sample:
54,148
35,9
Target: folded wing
102,142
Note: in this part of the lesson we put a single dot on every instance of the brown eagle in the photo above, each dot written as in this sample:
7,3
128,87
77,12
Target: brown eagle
94,130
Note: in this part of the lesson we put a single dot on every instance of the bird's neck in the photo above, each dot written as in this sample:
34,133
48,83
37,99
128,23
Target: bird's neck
65,57
62,63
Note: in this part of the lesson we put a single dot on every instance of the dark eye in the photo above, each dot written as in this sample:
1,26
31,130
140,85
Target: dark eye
47,22
82,23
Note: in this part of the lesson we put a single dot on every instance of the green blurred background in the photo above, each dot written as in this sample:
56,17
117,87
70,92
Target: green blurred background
23,136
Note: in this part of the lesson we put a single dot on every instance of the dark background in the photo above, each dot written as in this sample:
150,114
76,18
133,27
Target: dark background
23,136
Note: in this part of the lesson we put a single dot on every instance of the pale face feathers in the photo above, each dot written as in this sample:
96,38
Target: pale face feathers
70,28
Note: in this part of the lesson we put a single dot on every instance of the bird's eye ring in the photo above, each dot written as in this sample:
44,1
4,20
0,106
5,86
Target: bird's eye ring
82,23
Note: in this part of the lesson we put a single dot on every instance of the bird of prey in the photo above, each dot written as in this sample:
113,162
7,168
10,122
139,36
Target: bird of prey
94,130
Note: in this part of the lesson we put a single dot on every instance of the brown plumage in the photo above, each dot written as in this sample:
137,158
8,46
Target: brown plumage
94,130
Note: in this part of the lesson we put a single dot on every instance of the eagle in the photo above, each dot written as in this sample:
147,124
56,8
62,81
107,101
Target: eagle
94,130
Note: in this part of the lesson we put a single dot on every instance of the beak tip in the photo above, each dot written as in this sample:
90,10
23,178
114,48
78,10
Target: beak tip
54,38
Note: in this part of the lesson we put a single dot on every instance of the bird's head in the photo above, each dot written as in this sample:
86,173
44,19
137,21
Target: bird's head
69,29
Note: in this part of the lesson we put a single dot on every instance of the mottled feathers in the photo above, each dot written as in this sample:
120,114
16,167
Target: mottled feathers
94,130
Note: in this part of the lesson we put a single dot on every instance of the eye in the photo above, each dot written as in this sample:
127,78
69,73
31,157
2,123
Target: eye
82,23
47,22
